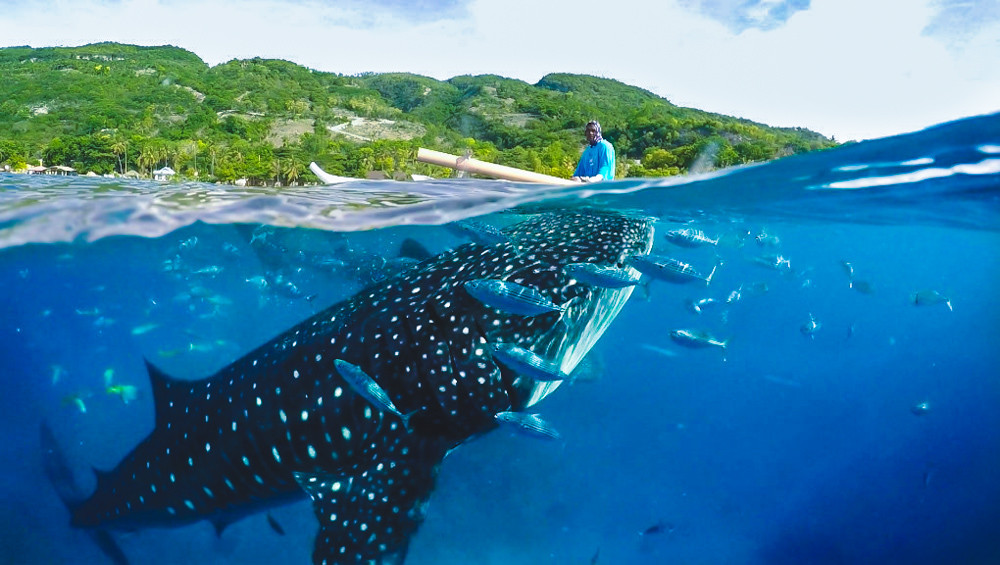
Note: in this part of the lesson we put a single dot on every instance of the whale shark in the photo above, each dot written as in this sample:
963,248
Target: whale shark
282,424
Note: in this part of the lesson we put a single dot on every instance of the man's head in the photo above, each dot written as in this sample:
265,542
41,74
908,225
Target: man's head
593,132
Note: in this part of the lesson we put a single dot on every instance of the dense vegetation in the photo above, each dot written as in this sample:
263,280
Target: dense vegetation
113,108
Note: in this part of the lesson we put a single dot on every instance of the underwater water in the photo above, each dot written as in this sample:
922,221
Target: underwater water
852,417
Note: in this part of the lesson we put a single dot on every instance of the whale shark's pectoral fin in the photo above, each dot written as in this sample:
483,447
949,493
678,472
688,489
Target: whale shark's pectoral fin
369,517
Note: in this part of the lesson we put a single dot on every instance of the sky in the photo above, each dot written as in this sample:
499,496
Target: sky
850,69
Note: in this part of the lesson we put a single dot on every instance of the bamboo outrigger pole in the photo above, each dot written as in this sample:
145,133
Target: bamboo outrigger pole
483,168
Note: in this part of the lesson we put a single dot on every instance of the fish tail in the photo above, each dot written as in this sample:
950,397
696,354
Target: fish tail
708,279
948,304
60,474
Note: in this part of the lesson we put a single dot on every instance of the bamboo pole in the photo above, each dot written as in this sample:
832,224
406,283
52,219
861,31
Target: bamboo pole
486,169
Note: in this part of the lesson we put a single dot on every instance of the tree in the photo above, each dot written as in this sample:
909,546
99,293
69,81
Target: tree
292,169
120,147
147,158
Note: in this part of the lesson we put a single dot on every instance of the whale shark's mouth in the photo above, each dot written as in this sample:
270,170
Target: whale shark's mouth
585,319
584,326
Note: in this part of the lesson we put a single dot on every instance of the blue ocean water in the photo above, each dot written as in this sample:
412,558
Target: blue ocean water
874,438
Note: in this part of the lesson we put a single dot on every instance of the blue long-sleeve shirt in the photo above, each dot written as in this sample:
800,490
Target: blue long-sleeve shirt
597,159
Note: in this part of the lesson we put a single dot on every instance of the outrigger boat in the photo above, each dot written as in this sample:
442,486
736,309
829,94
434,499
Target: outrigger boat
467,164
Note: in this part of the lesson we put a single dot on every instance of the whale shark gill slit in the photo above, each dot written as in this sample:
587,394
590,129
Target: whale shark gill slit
281,423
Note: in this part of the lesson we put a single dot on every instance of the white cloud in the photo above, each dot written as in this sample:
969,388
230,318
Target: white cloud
849,68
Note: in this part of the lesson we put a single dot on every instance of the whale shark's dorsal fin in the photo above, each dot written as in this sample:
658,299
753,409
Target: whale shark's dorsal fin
165,392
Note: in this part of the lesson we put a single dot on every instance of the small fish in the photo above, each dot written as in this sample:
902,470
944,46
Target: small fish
127,393
696,339
75,400
275,525
479,232
688,237
775,262
218,300
511,297
231,249
258,282
370,390
57,374
88,312
261,233
660,527
201,292
864,287
665,268
735,296
210,271
697,306
531,424
848,268
528,363
109,376
597,554
810,328
765,239
930,297
603,277
188,243
920,409
103,322
144,328
169,352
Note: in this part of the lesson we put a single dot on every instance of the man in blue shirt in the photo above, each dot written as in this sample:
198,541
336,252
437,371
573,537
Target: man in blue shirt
598,160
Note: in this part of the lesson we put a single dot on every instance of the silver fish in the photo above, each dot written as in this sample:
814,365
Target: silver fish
929,297
848,269
603,277
531,424
697,306
810,327
688,237
668,269
511,298
765,239
528,363
775,262
366,386
696,339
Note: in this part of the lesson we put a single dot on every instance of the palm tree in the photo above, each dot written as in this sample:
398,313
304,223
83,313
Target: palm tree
292,171
118,148
147,158
276,169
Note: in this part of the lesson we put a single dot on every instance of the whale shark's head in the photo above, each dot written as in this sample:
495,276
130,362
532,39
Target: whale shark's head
551,242
445,371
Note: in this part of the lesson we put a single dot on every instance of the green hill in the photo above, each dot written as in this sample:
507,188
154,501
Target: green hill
110,107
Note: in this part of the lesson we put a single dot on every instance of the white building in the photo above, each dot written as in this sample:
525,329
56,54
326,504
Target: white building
164,174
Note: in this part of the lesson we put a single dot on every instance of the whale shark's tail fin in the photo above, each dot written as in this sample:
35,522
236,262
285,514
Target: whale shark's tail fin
60,474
